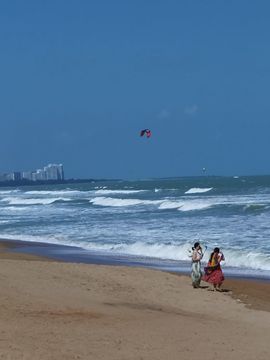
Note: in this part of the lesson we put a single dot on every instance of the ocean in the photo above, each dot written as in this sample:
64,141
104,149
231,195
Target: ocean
154,222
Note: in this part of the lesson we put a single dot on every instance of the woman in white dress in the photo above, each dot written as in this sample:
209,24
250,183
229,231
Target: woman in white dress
196,273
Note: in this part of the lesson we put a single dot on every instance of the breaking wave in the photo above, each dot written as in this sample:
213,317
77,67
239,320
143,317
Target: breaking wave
105,192
162,205
164,251
32,201
185,205
5,192
55,192
198,190
153,218
108,201
174,251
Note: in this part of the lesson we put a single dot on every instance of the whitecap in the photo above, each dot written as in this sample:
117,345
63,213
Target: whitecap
107,191
54,192
32,201
170,204
246,259
195,205
198,190
185,205
108,201
5,192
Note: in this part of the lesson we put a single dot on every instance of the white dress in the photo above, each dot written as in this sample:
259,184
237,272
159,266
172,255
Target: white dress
196,273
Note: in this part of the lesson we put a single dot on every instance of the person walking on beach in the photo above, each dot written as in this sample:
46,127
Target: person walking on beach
196,273
213,272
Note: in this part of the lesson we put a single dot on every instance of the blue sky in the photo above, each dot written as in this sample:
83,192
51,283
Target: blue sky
80,79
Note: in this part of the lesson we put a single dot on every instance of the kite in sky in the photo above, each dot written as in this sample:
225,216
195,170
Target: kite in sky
147,132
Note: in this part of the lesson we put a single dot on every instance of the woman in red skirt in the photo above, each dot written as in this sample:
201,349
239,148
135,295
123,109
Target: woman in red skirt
213,272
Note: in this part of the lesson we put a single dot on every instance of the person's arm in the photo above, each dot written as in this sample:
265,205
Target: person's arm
196,256
221,257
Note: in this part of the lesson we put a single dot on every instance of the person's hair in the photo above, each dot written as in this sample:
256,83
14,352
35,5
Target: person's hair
216,251
195,245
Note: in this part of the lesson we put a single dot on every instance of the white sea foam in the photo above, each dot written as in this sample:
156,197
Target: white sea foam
167,204
200,203
195,205
238,221
198,190
246,259
161,251
108,201
182,205
6,192
48,239
185,205
56,192
107,191
16,208
178,252
32,201
238,259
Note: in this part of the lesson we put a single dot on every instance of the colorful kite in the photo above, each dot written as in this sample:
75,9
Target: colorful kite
147,132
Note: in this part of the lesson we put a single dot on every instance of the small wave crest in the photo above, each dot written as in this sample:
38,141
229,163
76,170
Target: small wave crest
186,205
195,205
162,205
5,192
32,201
173,251
108,201
198,190
170,204
54,192
107,191
247,259
234,258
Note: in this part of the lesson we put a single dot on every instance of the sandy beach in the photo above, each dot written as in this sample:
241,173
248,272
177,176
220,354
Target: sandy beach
57,310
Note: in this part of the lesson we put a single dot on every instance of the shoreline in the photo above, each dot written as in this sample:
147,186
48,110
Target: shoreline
53,309
75,254
253,292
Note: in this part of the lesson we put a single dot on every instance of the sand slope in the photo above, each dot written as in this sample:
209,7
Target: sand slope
53,310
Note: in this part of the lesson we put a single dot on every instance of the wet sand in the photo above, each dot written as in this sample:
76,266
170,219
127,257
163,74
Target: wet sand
58,310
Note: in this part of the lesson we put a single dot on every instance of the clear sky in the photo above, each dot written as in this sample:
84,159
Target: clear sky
79,79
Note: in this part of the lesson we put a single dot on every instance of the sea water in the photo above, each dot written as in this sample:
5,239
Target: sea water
157,220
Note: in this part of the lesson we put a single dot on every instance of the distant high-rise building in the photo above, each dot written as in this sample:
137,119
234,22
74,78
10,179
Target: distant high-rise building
8,177
54,172
34,176
41,175
61,171
27,175
16,176
50,172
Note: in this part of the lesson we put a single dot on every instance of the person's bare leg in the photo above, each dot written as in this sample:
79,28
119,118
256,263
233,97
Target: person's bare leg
219,287
212,288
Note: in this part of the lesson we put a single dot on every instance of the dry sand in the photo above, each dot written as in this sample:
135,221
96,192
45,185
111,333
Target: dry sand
54,310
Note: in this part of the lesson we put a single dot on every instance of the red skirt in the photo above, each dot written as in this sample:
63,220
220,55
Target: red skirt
216,277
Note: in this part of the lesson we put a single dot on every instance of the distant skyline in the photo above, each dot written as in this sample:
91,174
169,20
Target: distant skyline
80,79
